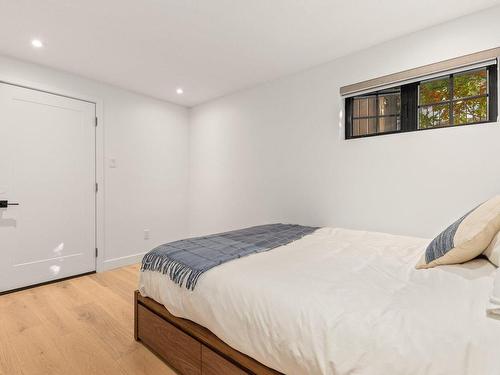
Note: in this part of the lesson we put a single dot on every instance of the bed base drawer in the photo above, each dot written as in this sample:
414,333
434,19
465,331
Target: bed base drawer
179,350
214,364
187,347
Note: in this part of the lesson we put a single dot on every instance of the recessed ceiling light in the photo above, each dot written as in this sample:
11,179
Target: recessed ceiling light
37,43
179,91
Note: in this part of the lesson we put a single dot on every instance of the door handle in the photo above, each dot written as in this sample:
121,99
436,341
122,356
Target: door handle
5,204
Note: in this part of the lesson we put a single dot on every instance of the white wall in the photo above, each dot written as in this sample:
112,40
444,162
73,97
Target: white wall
276,152
149,140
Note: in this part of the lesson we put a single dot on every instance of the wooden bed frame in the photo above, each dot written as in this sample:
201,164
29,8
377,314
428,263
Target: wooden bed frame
188,347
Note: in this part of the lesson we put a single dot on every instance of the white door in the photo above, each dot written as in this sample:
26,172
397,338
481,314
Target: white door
47,166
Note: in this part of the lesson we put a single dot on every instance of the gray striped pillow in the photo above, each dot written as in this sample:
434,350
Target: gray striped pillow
466,238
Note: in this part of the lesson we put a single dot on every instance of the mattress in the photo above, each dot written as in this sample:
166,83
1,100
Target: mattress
345,302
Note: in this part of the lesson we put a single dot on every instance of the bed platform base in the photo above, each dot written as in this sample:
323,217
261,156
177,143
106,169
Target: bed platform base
187,347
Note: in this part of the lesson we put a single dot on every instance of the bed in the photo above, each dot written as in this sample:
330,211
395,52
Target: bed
336,301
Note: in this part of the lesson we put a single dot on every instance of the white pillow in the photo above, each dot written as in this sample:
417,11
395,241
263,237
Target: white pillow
493,251
494,305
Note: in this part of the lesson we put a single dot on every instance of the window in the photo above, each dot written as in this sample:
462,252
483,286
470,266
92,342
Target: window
457,99
463,98
376,113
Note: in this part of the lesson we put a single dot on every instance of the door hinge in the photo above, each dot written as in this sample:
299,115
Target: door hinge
96,187
96,252
96,121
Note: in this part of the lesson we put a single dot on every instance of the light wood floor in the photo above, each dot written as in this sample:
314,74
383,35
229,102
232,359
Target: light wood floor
79,326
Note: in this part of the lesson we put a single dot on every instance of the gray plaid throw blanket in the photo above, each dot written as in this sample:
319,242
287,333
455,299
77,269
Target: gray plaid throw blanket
186,260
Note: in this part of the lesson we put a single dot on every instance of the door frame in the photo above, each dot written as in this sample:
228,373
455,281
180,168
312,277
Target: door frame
99,153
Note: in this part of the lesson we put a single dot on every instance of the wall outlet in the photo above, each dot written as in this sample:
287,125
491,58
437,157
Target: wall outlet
146,234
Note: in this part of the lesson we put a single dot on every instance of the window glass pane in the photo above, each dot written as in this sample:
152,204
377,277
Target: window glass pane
355,107
372,106
355,128
364,126
431,116
363,107
434,91
471,83
389,124
470,110
367,106
372,125
389,104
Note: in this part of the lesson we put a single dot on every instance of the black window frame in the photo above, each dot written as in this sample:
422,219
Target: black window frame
409,109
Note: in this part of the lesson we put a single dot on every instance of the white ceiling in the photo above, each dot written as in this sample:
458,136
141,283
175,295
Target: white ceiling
208,47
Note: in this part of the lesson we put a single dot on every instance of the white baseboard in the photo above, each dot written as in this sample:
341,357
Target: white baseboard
122,261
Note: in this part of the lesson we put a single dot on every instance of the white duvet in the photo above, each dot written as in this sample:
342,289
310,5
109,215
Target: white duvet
345,302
